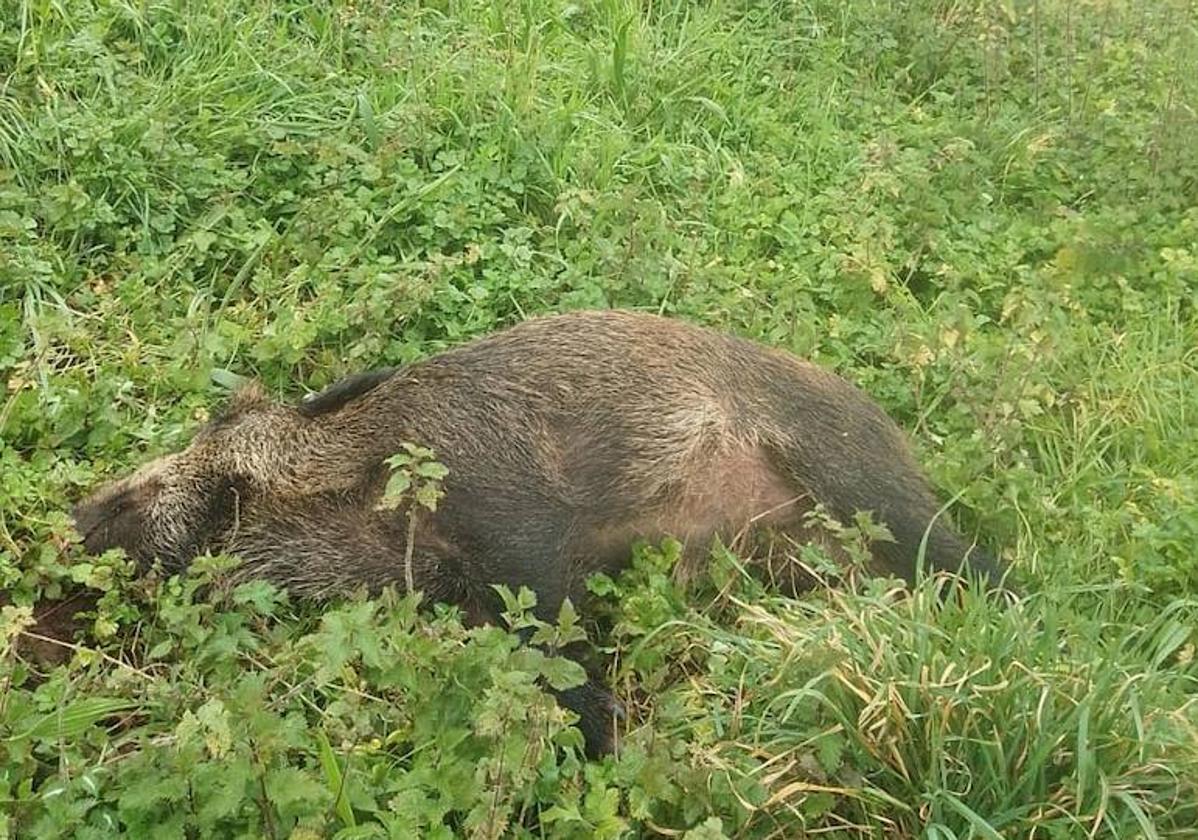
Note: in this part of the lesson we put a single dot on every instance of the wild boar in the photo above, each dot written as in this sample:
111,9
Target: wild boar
566,439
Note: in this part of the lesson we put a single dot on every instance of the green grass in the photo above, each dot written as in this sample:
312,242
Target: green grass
984,213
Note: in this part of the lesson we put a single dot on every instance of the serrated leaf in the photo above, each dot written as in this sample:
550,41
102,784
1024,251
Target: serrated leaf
418,453
209,723
220,788
262,595
147,791
427,495
432,469
526,599
567,812
545,634
830,749
568,629
567,616
294,791
360,832
601,584
161,649
397,485
506,595
562,673
711,829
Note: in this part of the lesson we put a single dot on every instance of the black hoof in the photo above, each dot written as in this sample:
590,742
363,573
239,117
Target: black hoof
598,712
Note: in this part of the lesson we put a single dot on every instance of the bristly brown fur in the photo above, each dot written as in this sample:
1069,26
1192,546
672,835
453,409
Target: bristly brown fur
565,437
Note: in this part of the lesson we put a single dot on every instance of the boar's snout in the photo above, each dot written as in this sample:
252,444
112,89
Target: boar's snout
111,518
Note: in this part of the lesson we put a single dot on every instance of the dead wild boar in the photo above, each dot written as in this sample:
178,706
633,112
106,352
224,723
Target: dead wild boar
566,439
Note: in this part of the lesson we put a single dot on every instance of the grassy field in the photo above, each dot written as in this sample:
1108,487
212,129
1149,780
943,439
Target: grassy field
984,213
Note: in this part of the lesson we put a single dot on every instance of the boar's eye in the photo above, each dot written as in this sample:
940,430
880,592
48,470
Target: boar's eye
119,503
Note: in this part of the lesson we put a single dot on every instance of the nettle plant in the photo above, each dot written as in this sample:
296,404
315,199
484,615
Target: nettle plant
416,478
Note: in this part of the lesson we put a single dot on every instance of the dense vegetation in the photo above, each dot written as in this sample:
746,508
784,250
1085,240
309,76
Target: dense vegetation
985,213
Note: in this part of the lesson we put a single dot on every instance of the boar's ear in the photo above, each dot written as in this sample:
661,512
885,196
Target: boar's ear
247,397
341,393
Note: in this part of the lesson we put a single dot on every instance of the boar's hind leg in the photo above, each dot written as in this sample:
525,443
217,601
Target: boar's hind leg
843,448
